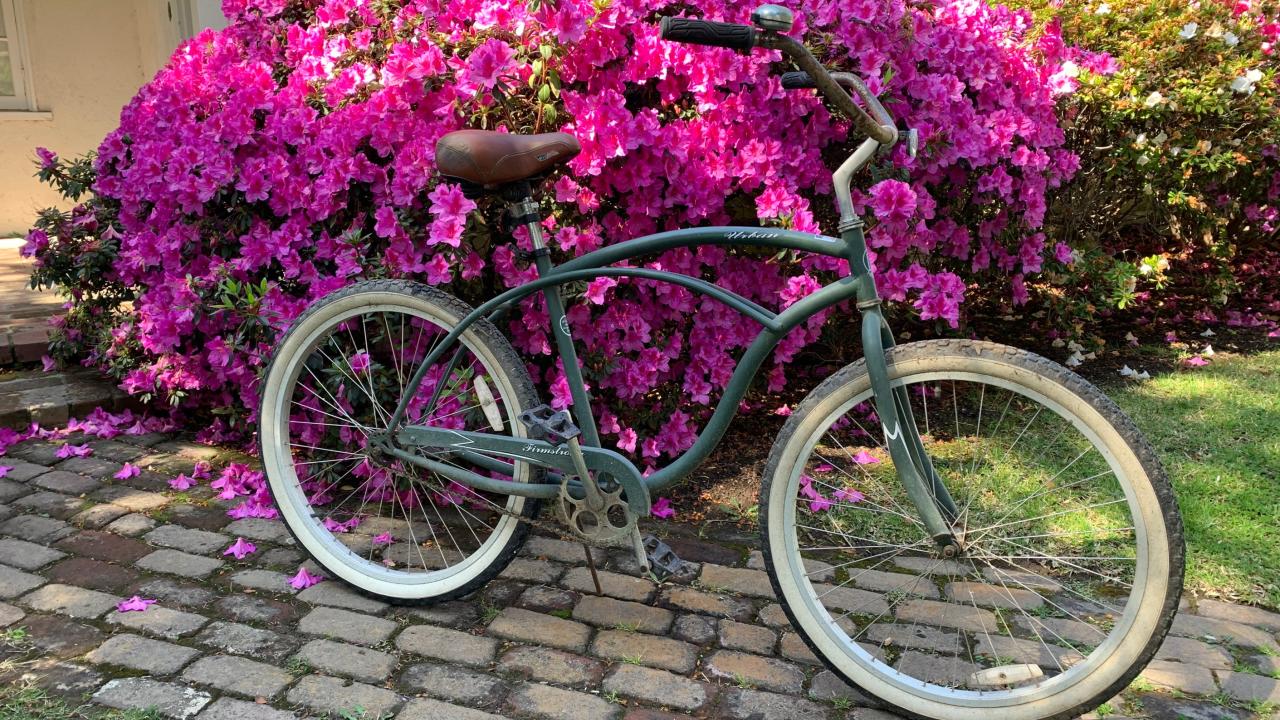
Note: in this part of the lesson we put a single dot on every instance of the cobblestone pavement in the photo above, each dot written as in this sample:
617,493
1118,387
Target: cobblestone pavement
232,640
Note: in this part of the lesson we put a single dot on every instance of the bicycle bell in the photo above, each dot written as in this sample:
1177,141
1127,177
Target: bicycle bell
773,17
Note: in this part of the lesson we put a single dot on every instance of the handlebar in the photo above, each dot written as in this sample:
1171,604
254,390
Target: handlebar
704,32
744,37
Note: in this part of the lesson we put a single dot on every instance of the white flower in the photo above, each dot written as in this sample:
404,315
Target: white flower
1189,31
1140,141
1154,99
1075,360
1070,69
1208,351
1144,375
1127,371
1075,347
1208,333
1230,39
1057,342
1103,9
1244,84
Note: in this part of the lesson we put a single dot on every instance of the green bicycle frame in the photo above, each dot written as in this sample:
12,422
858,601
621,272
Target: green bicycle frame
925,489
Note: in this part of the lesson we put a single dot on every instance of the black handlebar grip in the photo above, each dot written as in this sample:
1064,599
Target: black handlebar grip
797,80
705,32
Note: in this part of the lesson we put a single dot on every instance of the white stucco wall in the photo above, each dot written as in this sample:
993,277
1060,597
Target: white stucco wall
87,58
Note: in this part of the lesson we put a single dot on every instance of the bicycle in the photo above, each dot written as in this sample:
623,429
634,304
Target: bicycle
959,528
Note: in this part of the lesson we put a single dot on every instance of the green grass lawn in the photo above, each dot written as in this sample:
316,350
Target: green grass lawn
1217,430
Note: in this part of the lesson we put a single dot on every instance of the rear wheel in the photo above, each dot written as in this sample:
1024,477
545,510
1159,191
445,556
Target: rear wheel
1073,553
388,527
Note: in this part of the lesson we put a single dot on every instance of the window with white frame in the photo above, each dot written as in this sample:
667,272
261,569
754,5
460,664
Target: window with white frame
15,91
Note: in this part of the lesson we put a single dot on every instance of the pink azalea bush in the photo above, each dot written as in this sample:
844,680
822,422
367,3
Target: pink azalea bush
291,155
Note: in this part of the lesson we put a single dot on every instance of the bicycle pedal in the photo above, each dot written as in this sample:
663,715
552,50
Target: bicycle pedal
663,561
556,427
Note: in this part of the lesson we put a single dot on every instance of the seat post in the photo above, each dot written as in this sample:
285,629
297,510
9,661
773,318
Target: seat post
522,209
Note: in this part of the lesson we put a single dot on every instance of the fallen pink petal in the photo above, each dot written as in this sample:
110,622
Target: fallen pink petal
129,470
862,457
5,470
68,450
240,548
182,482
1195,361
662,509
49,363
304,579
136,603
385,538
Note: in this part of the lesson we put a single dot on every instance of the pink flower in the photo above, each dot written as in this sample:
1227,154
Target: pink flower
384,539
662,509
68,450
240,548
862,457
893,201
334,526
48,158
849,495
359,362
304,579
487,63
4,470
134,604
1195,361
128,470
182,482
48,363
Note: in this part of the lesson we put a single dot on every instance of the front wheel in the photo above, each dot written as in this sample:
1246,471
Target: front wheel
1073,554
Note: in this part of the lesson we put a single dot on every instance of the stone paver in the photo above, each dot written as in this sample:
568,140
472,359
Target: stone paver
454,684
1250,688
139,653
448,645
161,621
742,704
35,528
169,699
1180,676
742,636
225,708
346,625
200,542
70,600
761,672
549,665
339,595
333,695
1243,614
237,675
246,640
608,612
9,614
930,612
16,582
268,580
658,687
428,709
623,587
639,649
705,603
66,482
351,661
753,583
553,703
176,562
526,626
1194,626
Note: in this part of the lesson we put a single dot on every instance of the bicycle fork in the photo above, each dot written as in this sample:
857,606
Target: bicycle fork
915,470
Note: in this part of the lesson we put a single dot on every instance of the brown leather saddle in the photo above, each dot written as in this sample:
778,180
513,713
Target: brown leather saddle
490,159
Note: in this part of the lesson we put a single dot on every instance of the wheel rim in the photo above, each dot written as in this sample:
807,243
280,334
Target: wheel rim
924,649
382,524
